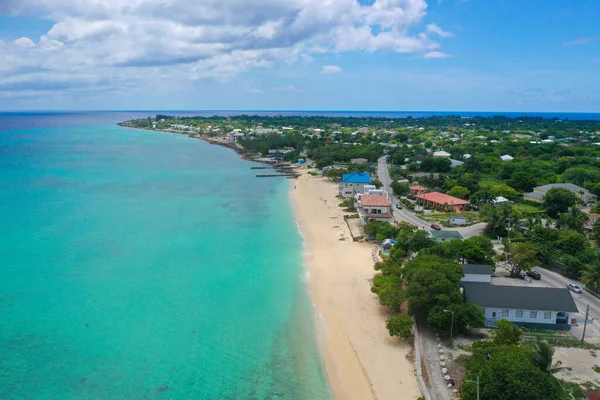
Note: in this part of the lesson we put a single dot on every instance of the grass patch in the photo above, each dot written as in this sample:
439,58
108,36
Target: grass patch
596,369
353,216
528,208
556,338
487,180
314,173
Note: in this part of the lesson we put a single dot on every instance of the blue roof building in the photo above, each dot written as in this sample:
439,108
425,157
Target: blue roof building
357,177
354,183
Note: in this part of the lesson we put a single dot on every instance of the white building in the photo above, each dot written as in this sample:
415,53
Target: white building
374,207
466,156
354,183
441,153
500,200
477,273
506,157
535,307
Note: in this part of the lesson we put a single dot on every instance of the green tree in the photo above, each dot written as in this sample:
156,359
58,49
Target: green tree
419,240
436,164
596,231
459,191
504,191
596,189
400,325
507,333
542,358
558,201
507,373
390,291
400,189
498,217
573,219
465,315
481,197
377,183
431,281
521,257
523,181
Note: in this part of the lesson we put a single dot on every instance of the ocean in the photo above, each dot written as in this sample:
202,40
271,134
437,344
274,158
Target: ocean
146,265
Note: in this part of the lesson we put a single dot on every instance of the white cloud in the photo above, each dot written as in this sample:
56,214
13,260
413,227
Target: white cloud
433,28
24,42
436,54
331,69
108,42
289,88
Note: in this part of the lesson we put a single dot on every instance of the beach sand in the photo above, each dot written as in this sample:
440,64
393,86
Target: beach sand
362,360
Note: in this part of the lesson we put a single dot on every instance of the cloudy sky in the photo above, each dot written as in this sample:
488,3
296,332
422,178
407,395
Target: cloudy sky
479,55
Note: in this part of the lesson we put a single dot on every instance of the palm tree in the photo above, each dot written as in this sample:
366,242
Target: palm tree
574,219
542,358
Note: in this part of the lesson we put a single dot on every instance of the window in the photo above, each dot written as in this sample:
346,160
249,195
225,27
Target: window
547,314
519,313
505,313
533,314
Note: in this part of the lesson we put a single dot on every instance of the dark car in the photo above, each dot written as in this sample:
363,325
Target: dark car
534,275
399,206
437,227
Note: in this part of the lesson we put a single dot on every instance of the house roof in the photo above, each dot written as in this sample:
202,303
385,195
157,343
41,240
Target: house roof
441,153
569,186
357,177
455,163
500,199
477,269
592,395
417,187
506,157
374,200
534,195
441,198
359,160
520,297
445,235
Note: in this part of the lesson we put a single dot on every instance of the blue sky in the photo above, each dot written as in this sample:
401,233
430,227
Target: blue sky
300,55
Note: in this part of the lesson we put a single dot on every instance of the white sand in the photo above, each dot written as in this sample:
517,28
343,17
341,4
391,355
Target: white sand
362,360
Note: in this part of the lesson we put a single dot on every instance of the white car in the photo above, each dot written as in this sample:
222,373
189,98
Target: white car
574,288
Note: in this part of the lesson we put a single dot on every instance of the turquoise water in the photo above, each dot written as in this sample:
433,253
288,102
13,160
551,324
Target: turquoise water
145,265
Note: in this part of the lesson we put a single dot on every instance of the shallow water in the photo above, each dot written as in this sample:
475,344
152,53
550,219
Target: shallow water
145,265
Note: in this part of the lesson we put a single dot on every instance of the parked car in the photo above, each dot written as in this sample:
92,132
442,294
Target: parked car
534,275
574,288
437,227
399,206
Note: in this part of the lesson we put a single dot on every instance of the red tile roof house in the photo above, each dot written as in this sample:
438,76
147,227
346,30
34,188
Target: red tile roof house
441,200
416,189
592,395
374,207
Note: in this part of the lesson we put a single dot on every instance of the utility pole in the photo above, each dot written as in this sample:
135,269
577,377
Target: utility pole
477,383
587,311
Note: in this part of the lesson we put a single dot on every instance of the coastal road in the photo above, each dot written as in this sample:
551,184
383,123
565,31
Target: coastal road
410,217
582,300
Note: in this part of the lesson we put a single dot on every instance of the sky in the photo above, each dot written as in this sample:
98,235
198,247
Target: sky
384,55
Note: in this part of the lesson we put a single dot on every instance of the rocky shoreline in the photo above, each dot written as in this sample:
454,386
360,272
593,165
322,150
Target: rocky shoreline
245,154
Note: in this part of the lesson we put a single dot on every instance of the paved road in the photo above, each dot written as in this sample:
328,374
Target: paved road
582,300
410,217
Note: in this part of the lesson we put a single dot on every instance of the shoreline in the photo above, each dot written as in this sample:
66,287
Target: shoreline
361,359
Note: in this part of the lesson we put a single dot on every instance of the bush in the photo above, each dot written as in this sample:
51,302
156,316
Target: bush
408,204
400,325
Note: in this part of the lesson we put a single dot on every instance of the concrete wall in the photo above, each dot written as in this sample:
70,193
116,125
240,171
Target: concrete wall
525,318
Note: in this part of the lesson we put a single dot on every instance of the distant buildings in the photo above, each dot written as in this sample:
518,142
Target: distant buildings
466,156
417,189
506,157
359,161
354,183
535,307
540,191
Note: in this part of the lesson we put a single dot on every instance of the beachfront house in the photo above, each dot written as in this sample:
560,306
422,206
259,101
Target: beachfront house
354,183
535,307
477,273
374,207
540,191
441,201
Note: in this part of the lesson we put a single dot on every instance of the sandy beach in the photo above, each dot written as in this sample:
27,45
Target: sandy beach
362,360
